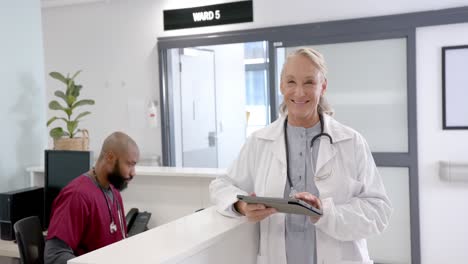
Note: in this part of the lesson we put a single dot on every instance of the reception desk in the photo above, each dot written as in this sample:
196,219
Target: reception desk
176,232
167,192
205,237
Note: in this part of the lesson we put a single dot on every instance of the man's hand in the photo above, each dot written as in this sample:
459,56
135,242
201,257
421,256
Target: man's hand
254,212
312,200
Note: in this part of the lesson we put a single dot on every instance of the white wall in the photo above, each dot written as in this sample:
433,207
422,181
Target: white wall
22,111
443,205
115,46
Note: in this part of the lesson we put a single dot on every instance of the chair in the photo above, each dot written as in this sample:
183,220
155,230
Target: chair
28,232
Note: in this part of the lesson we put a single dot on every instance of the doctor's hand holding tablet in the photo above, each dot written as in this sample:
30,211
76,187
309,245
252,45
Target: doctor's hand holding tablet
258,208
255,212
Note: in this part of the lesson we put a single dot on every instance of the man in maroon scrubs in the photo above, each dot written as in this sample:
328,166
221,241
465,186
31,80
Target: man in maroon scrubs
88,213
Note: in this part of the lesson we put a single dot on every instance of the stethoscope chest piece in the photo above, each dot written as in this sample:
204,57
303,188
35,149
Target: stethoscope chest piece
112,227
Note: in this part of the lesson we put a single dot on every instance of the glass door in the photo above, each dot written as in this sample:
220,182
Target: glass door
198,108
218,96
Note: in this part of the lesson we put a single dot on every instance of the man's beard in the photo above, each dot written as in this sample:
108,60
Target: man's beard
116,178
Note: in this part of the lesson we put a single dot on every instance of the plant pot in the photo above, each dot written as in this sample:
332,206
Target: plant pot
77,143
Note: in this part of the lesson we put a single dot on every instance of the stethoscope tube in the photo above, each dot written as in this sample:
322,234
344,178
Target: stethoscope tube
321,134
112,226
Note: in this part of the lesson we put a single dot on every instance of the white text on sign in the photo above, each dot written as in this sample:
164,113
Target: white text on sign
206,16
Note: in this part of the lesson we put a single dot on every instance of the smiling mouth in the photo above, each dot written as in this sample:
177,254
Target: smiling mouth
300,102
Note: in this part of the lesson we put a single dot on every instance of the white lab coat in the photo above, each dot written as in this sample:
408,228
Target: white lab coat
355,204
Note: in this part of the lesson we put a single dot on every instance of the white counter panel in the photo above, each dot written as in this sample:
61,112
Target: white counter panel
204,237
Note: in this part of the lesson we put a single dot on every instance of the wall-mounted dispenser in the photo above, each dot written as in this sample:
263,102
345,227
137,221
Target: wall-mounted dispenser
152,114
453,171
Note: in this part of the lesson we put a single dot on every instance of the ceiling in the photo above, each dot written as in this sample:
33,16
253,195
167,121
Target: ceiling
58,3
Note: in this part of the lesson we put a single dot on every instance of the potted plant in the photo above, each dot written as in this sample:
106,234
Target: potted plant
66,139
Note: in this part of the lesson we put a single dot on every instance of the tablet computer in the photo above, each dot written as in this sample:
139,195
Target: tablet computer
290,205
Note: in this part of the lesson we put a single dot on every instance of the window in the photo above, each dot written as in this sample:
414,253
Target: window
256,85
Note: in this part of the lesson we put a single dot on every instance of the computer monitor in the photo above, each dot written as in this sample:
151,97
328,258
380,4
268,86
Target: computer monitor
62,166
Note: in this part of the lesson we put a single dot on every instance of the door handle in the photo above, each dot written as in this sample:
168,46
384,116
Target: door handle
212,138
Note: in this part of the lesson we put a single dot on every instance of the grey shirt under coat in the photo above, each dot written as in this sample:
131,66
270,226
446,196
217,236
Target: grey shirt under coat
300,231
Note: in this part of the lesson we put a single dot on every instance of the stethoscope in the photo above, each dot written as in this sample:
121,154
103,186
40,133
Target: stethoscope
112,226
321,134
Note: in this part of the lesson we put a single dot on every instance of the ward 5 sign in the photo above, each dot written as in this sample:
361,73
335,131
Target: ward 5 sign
206,15
201,16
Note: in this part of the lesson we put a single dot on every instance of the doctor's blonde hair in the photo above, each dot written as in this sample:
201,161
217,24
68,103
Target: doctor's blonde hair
319,61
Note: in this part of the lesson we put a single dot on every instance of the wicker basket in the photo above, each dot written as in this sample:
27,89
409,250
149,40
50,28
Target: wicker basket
77,143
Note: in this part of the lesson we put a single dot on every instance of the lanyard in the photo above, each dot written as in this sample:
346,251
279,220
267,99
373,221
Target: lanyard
112,226
293,191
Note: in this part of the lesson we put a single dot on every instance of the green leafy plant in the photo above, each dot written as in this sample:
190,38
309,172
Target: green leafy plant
71,102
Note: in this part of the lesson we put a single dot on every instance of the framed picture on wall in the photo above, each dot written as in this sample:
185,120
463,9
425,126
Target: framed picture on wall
455,87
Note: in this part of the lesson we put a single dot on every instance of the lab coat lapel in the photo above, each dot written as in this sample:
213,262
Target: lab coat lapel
279,149
275,134
275,182
326,152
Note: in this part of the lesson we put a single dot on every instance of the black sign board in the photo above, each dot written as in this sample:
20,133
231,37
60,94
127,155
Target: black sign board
229,13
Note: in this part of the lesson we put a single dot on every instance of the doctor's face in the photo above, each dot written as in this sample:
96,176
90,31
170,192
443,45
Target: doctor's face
302,84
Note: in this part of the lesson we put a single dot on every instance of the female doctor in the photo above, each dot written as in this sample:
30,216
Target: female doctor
308,155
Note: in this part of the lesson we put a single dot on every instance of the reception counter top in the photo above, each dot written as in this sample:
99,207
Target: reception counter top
203,237
159,171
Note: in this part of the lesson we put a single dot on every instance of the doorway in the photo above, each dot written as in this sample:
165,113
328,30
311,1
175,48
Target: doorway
198,108
218,96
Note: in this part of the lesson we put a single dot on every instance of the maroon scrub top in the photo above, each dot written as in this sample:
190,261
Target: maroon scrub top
80,216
